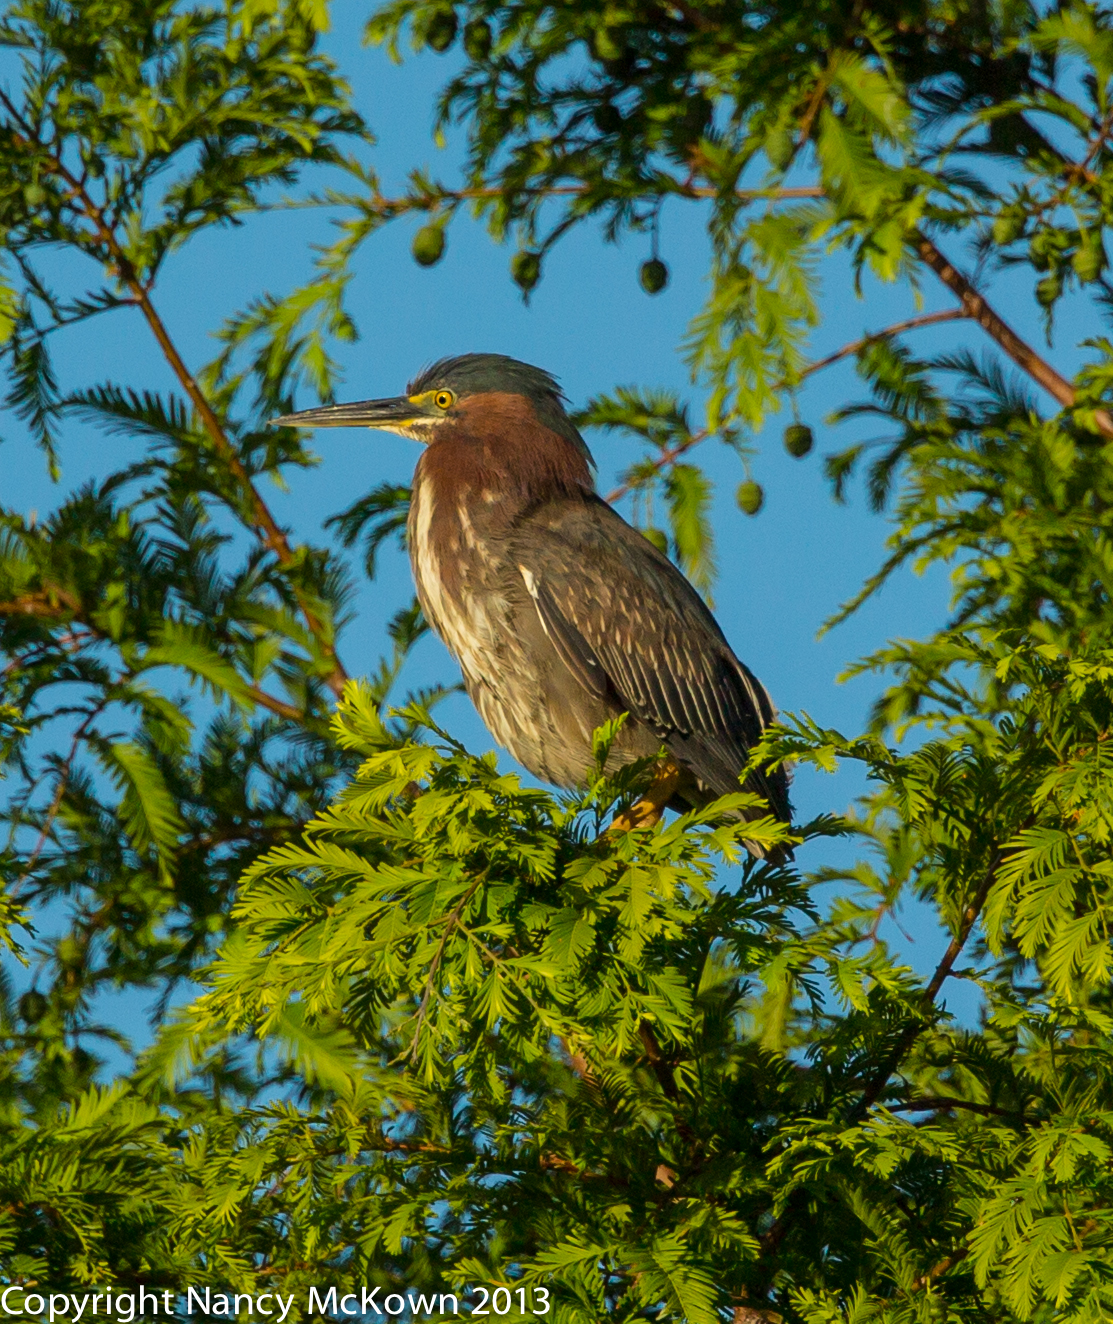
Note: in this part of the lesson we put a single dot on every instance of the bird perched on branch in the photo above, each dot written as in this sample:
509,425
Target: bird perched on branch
560,614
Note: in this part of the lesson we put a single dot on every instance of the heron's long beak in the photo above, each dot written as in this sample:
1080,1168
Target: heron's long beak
392,413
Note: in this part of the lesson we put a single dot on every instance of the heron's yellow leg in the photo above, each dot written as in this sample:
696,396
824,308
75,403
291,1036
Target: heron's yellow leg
651,806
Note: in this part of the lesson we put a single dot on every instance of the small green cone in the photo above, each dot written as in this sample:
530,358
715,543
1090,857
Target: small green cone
1008,226
1049,289
750,497
1088,260
428,245
654,276
525,268
798,439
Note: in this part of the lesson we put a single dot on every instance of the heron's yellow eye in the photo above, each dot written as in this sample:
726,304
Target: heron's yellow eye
444,399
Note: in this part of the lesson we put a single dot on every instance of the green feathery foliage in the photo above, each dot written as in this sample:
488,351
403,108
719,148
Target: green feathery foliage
446,1031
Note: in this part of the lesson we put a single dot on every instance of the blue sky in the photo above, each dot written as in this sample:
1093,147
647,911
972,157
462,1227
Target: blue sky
590,323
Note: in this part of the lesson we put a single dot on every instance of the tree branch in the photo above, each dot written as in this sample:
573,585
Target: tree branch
389,208
974,305
652,1046
926,319
811,110
926,1279
667,457
912,1031
943,970
58,604
271,532
941,1103
673,453
47,604
451,922
64,774
977,307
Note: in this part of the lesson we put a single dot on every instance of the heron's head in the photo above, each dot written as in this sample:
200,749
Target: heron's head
473,395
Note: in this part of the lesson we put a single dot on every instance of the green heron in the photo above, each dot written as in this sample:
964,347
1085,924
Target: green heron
560,614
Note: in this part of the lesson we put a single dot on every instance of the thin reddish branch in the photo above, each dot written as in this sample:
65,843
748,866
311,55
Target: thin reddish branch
699,21
45,604
926,319
451,921
807,122
388,208
58,604
278,706
943,971
656,1058
974,306
941,1103
673,453
925,1280
64,774
912,1031
667,457
271,532
977,307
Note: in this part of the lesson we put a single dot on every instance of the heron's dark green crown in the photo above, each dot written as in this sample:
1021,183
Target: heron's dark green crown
482,374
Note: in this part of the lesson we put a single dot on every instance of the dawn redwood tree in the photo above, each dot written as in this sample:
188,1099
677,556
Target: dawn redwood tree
445,1030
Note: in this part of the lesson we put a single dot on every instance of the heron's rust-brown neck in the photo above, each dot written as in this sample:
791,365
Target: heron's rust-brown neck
494,454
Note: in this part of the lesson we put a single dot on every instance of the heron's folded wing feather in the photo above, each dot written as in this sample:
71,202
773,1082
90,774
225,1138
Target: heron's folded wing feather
571,646
621,616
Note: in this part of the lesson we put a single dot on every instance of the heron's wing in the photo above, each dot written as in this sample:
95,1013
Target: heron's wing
627,623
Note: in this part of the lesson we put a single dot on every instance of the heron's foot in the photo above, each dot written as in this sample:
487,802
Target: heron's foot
651,806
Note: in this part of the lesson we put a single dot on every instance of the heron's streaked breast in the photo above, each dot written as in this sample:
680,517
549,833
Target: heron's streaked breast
446,555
